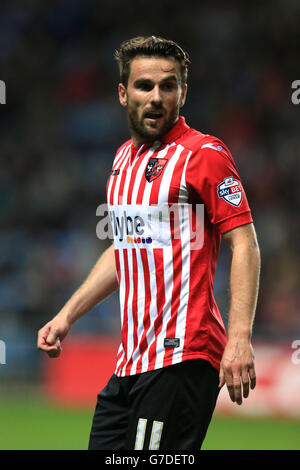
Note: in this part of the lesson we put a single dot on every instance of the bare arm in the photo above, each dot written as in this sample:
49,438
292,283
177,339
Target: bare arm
100,283
237,365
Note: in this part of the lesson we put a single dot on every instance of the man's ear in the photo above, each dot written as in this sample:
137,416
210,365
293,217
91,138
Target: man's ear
122,94
183,96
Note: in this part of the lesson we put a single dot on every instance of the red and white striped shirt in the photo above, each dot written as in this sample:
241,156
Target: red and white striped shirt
168,311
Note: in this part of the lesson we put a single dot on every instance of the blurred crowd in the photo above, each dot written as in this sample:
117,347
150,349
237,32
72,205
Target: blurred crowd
62,124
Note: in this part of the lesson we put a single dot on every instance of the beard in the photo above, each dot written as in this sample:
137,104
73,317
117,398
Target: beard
146,134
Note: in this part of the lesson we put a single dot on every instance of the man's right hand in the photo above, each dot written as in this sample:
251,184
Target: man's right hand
100,283
51,335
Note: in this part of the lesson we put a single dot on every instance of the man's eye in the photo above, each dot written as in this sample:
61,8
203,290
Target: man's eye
144,87
168,86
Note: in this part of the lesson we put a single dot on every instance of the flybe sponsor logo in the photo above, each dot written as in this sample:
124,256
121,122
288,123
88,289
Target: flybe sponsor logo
132,228
154,225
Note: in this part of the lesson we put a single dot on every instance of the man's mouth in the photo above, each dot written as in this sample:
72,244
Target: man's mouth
153,115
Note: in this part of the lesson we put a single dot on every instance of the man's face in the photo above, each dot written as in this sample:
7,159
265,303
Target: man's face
153,97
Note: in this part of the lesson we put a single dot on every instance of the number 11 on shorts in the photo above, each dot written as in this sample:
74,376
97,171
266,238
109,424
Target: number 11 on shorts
155,434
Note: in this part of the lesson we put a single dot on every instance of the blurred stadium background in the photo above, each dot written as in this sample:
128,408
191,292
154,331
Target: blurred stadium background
59,130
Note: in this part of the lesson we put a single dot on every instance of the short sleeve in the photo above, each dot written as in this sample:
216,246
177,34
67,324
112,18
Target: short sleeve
212,179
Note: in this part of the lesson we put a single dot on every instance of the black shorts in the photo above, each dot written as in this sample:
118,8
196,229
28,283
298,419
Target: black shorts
167,409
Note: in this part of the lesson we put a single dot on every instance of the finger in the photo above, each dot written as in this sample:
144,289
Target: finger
221,378
42,335
52,336
252,376
230,387
46,347
56,350
237,389
245,382
54,353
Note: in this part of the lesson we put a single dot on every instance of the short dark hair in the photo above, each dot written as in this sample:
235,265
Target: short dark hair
152,46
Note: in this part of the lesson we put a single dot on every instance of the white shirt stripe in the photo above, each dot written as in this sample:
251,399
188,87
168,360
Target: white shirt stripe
117,159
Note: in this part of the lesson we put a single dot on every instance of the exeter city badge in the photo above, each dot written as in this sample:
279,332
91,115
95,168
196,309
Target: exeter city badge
231,191
154,168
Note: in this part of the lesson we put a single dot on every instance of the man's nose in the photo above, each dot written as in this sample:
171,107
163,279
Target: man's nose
156,97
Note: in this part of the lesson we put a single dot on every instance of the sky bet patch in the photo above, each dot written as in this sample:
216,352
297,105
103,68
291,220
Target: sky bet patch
231,191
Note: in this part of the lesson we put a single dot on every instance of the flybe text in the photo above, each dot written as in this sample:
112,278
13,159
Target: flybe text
126,225
158,225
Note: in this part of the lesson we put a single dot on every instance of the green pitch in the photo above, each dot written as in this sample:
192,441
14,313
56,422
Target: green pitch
35,425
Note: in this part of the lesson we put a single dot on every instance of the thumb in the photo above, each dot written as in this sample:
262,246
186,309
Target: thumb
52,336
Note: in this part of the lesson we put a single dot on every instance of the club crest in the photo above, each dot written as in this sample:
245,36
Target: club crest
231,191
154,168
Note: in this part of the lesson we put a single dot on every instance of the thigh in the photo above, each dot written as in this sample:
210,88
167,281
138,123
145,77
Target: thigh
172,407
110,421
